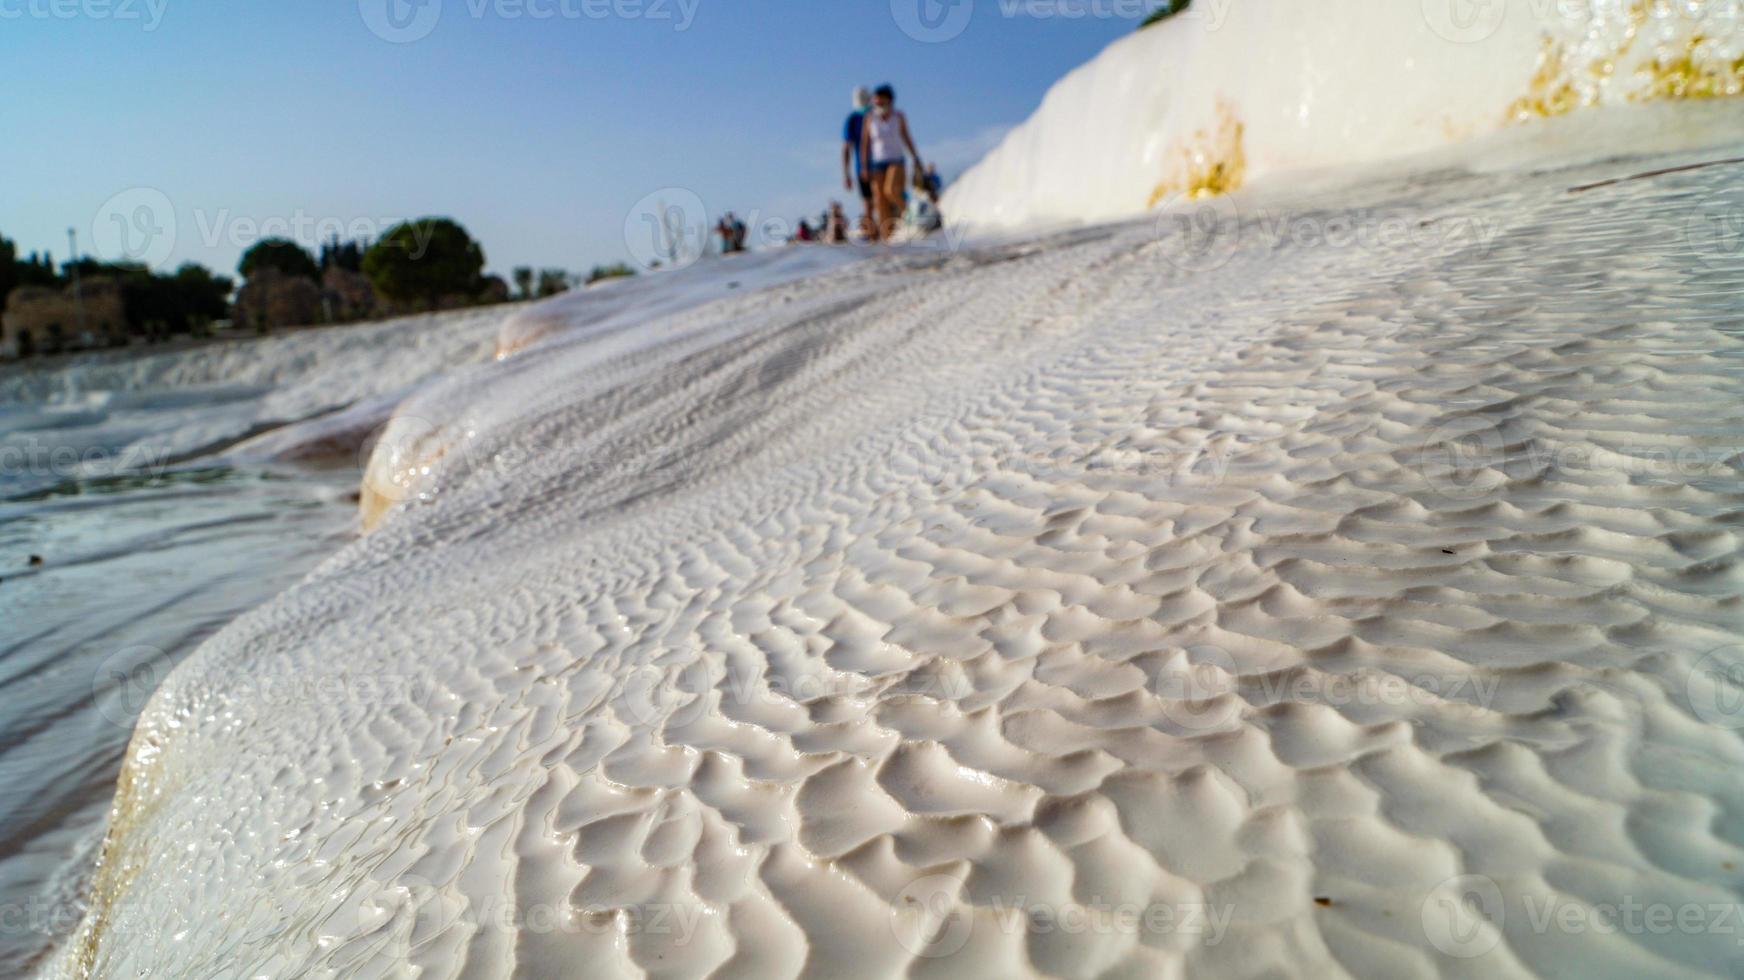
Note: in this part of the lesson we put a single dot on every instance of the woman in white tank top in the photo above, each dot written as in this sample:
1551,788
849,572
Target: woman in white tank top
884,132
883,138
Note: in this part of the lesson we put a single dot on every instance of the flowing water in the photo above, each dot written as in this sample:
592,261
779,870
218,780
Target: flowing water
135,571
133,526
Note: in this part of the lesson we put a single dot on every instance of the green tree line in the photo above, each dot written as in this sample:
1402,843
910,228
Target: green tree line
427,264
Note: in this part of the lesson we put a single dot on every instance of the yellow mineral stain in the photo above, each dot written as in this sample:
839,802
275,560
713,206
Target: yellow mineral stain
118,861
1552,90
1688,76
1214,163
1559,85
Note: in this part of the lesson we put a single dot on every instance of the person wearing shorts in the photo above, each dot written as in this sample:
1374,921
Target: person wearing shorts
884,137
852,171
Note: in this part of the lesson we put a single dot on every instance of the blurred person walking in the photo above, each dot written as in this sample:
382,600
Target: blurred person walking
853,170
883,138
836,225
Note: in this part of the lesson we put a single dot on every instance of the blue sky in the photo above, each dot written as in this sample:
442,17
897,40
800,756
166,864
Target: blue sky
539,133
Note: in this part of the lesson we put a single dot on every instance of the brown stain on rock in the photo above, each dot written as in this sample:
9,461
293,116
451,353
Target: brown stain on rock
1214,163
1560,85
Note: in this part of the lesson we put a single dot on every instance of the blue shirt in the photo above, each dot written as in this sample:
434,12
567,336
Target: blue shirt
851,133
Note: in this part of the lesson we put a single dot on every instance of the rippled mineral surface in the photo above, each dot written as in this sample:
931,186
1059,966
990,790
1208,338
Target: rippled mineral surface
1347,585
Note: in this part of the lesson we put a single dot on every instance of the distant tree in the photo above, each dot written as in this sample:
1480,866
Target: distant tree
116,299
146,299
1165,10
422,261
88,267
154,304
151,304
8,268
492,289
37,270
204,296
342,255
281,255
553,282
524,281
600,272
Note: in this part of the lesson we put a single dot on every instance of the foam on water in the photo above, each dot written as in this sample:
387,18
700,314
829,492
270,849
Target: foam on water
1351,599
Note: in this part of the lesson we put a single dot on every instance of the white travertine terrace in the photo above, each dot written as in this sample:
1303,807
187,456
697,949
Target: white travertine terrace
1341,587
1331,85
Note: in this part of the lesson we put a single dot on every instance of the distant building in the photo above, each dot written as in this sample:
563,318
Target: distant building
271,300
346,296
48,320
494,290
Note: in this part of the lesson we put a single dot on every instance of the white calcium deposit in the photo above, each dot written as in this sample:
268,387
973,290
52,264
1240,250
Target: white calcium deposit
1227,91
304,392
1349,585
